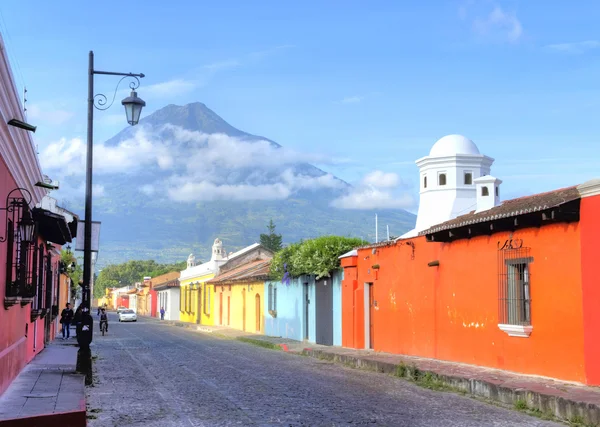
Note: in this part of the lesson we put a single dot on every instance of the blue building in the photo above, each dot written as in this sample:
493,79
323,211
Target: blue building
305,309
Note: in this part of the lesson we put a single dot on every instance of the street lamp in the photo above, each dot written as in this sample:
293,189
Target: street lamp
26,227
133,109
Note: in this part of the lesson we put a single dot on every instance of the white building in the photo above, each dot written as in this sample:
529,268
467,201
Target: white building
167,288
454,180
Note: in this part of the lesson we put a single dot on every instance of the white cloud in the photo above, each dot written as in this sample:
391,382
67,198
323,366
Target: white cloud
205,191
495,25
222,65
575,48
352,100
170,88
219,166
48,113
373,198
377,190
148,189
381,179
98,190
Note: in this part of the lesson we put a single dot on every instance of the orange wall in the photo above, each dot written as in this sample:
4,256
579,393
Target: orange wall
590,255
450,312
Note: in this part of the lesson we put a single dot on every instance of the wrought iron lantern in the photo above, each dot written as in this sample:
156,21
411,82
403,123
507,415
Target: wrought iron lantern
133,108
26,227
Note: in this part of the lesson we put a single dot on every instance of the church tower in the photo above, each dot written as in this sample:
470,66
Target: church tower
218,251
447,181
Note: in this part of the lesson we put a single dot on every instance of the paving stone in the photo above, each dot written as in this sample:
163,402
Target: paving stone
150,374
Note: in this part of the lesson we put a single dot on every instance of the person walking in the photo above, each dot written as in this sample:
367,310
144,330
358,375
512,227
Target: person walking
66,317
162,313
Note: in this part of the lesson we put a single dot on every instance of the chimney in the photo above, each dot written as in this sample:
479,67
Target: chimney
488,192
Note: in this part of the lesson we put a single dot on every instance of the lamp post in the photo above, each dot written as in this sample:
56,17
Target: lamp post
133,108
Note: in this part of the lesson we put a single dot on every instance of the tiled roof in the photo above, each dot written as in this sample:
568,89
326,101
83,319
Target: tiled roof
253,270
164,278
511,208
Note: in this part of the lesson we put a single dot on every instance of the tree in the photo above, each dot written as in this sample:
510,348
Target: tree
73,270
271,241
318,257
130,272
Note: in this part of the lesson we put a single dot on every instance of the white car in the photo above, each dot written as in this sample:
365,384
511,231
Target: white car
127,315
121,308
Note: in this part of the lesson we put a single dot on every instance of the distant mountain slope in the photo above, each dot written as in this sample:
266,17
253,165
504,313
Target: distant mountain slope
140,224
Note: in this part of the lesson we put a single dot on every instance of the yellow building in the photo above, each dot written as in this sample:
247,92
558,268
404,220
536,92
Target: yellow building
239,296
197,303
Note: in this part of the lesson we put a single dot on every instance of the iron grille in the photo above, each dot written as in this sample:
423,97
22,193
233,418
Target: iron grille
514,284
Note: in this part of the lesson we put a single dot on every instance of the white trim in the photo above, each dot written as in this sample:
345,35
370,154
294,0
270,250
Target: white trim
352,253
589,188
516,330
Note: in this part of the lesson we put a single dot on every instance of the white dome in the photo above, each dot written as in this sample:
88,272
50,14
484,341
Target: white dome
451,145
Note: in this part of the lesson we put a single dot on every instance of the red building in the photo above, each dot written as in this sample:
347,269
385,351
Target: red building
509,285
31,236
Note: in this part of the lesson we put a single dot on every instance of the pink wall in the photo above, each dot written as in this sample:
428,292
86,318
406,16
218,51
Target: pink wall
13,342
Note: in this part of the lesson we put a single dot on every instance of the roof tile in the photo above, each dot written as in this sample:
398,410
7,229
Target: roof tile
511,208
253,270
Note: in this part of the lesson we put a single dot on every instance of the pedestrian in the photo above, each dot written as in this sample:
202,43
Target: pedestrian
77,318
162,313
66,317
98,310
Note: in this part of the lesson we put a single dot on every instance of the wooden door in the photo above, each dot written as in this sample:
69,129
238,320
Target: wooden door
371,314
220,308
243,309
306,312
257,310
324,311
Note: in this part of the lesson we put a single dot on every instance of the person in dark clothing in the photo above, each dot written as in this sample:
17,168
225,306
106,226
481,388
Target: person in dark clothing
162,313
66,317
99,311
77,318
103,319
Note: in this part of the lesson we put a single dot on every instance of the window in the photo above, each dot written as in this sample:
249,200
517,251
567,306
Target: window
515,291
272,298
442,179
485,191
497,191
468,178
207,300
425,181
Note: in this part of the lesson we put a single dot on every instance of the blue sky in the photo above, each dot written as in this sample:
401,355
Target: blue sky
374,83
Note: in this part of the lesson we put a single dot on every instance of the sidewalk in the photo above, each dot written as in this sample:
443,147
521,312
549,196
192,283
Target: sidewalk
47,392
538,395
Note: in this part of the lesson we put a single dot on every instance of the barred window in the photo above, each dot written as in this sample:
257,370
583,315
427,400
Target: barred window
270,296
272,301
515,286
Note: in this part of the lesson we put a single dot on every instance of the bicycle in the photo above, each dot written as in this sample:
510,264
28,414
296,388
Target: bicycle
104,328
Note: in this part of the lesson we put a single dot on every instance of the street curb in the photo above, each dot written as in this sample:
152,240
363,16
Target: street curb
538,402
77,418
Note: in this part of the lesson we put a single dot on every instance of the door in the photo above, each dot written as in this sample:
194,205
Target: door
324,311
257,311
370,317
243,309
306,303
220,308
228,310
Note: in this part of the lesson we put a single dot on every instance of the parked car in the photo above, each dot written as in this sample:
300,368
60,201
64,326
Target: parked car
121,308
127,315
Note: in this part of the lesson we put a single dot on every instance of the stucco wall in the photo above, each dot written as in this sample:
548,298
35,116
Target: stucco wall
450,312
234,317
291,313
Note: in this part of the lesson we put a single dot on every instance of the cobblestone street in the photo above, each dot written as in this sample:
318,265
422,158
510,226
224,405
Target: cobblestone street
150,374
